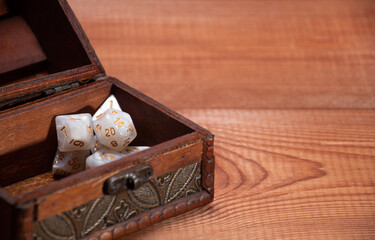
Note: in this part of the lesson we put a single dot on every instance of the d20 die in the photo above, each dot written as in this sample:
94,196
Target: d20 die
115,129
111,102
74,132
67,163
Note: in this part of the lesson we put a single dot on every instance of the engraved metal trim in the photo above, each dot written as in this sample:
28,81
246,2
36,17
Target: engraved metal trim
128,207
130,179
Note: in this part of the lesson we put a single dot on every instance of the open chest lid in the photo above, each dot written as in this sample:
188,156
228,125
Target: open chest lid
42,46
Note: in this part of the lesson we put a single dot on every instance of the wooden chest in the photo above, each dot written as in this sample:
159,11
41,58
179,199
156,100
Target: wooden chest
48,68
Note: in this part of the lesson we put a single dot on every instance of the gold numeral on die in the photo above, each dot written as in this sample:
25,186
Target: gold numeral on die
126,142
64,129
98,128
77,143
74,162
119,123
89,130
109,132
130,128
107,156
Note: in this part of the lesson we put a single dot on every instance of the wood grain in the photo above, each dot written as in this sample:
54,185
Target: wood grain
251,54
293,174
280,174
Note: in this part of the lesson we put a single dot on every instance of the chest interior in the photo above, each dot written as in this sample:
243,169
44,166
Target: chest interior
29,142
37,39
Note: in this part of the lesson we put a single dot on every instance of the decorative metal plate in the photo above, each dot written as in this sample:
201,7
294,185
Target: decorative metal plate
108,210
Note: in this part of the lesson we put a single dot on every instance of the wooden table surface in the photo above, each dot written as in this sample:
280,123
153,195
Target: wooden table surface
287,87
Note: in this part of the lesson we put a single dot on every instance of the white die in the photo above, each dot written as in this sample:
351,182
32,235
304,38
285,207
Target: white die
111,102
102,156
115,129
66,163
74,132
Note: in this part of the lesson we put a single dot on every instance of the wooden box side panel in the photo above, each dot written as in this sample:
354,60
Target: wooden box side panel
208,165
161,108
6,217
154,126
28,136
16,221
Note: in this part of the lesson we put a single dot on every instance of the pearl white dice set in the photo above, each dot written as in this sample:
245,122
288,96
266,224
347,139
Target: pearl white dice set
114,131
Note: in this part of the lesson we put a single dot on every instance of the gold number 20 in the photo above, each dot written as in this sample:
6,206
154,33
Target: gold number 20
109,132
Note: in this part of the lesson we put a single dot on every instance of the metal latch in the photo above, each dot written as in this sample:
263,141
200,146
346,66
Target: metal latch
130,179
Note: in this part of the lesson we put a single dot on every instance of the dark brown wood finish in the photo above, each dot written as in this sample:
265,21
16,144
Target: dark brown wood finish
6,223
208,165
29,184
70,56
28,141
161,109
19,49
3,8
24,218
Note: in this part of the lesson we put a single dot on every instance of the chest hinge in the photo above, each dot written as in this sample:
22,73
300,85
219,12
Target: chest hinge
53,90
71,85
